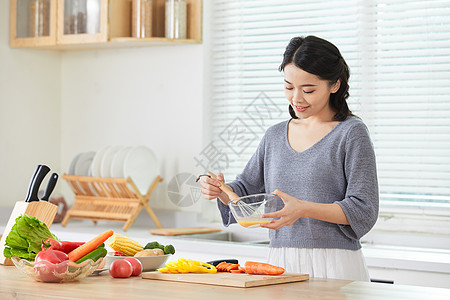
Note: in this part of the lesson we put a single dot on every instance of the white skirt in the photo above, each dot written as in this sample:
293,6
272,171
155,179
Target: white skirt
323,263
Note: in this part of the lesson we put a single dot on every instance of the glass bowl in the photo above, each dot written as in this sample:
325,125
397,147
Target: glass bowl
248,210
63,272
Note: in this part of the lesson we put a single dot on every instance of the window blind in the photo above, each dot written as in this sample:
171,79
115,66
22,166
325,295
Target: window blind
399,56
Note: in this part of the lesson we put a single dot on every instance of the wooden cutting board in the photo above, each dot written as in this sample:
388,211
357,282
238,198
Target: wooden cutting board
227,279
180,231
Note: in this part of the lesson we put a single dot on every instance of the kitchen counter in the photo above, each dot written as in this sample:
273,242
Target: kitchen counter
16,285
403,265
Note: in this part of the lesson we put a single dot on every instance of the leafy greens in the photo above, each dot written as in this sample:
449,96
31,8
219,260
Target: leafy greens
25,238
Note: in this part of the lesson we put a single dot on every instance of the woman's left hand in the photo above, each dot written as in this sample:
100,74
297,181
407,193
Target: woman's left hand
292,211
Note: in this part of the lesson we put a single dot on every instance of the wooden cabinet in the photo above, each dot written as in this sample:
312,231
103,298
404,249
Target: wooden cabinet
32,23
75,24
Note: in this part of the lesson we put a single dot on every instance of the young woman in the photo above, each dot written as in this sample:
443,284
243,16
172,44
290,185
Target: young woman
321,163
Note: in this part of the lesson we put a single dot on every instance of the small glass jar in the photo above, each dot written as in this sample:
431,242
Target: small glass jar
176,19
141,26
39,18
75,16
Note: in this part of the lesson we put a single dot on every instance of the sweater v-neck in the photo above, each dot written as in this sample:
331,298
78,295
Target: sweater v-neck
315,145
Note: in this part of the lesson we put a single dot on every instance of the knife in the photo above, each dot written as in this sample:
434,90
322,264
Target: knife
218,261
50,186
31,182
35,182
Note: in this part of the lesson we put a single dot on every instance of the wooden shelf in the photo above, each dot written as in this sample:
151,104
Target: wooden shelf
155,40
115,28
125,42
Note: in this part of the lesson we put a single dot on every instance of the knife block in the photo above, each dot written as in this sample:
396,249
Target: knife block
43,210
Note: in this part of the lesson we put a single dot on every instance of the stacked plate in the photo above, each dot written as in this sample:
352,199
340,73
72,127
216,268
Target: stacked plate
139,163
81,164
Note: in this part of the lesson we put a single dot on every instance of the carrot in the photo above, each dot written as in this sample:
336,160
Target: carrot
237,271
252,267
87,247
227,267
222,267
233,267
241,268
219,266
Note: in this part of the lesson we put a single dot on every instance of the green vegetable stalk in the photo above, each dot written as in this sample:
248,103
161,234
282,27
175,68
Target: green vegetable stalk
25,238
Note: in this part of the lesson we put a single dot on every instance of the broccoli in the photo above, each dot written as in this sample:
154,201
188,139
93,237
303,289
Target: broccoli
153,245
169,249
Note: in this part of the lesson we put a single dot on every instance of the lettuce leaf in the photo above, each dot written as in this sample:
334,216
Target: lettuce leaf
9,252
14,240
26,236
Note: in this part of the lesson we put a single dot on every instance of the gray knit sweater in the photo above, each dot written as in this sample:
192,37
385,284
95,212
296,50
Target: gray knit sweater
340,168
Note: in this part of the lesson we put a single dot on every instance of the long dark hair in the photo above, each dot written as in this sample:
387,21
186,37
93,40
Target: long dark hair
323,59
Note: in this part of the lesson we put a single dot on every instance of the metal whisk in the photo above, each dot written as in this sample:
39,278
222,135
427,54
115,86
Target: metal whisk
247,209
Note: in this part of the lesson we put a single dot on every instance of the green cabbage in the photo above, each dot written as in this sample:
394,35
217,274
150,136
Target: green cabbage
25,238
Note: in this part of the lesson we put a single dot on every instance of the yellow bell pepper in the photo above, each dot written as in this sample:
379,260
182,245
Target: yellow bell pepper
187,266
163,270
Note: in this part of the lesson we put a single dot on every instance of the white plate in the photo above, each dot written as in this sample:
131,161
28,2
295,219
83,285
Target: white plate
84,163
105,165
116,170
141,165
73,163
97,162
98,271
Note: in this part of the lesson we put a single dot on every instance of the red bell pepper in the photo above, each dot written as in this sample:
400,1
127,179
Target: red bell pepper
117,253
64,246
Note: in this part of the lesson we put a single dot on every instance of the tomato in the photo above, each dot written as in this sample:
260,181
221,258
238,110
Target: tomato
120,268
136,264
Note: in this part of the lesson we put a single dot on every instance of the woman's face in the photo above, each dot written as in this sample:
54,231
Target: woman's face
308,95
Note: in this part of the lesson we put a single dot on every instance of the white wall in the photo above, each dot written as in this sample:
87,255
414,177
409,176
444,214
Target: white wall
29,113
141,96
55,105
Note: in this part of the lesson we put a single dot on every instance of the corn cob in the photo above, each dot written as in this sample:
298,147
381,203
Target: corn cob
124,245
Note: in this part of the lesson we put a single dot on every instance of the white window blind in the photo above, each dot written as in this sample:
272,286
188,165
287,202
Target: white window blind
399,57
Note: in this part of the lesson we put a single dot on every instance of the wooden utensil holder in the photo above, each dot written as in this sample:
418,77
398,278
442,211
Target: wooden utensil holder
108,199
43,210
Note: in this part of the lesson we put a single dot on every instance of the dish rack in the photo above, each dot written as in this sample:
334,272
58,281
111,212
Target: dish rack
108,199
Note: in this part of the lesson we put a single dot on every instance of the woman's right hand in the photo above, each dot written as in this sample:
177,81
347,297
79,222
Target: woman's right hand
211,188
